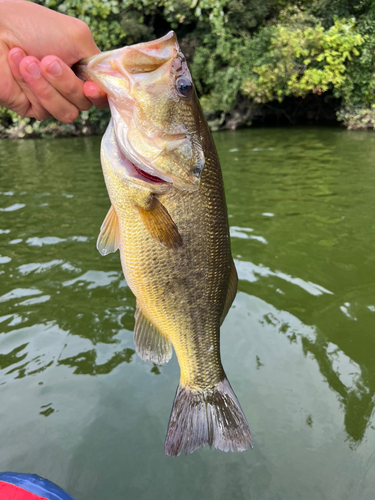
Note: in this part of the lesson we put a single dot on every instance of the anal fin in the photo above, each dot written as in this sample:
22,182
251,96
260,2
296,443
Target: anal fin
231,292
150,344
160,224
109,236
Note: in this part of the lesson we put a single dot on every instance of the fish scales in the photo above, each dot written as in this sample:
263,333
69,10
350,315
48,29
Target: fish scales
169,220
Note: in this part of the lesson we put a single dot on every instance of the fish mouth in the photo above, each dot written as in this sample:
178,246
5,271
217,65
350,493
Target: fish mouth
145,56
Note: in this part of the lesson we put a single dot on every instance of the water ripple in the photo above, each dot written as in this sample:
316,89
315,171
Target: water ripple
242,233
38,267
36,300
47,240
95,279
18,293
12,208
251,272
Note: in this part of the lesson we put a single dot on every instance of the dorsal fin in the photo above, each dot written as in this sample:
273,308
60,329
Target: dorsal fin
231,292
160,224
150,344
109,236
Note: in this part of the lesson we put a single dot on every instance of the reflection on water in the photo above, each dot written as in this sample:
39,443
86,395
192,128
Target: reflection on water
301,208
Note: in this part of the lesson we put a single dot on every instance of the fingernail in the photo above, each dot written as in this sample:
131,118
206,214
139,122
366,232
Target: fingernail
33,69
55,69
17,58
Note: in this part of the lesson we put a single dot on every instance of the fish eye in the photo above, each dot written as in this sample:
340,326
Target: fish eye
184,86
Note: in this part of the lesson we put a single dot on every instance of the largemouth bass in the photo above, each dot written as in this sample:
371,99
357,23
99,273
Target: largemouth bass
169,221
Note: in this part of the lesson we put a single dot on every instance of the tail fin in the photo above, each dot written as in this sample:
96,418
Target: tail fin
212,417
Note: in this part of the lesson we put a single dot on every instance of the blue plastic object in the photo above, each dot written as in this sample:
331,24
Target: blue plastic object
35,484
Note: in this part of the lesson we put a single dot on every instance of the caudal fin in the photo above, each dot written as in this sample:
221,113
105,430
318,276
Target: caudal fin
212,417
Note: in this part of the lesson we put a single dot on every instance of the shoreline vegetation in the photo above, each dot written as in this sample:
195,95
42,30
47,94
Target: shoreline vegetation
264,62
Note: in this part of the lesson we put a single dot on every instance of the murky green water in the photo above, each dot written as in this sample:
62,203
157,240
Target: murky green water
79,407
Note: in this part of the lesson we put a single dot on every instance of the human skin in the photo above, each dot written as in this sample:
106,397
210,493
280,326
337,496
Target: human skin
34,83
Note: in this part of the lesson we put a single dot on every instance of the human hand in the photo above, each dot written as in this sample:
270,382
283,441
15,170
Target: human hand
50,88
40,85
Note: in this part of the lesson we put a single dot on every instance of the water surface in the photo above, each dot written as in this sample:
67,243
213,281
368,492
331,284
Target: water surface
79,407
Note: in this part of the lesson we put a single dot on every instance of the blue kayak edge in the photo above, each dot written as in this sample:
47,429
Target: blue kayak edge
35,484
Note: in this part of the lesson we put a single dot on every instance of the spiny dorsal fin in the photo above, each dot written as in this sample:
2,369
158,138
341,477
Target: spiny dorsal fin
160,224
150,344
109,236
231,292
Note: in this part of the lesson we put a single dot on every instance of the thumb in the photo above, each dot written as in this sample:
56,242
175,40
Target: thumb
82,42
96,95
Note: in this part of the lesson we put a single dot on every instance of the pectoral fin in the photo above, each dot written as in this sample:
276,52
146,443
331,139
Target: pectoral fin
150,344
160,224
109,236
231,292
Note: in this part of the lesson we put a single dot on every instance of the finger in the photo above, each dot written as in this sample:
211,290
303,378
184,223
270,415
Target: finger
84,42
29,105
96,95
47,95
11,94
64,80
20,103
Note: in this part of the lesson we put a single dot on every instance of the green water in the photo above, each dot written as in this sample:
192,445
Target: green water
79,407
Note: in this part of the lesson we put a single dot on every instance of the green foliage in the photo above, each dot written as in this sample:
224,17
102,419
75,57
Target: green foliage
357,118
304,57
103,17
222,64
15,127
243,54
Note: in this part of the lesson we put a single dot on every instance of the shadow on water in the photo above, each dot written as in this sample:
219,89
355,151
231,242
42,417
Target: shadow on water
301,205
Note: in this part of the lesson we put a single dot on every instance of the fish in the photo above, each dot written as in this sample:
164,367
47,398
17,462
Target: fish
168,219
